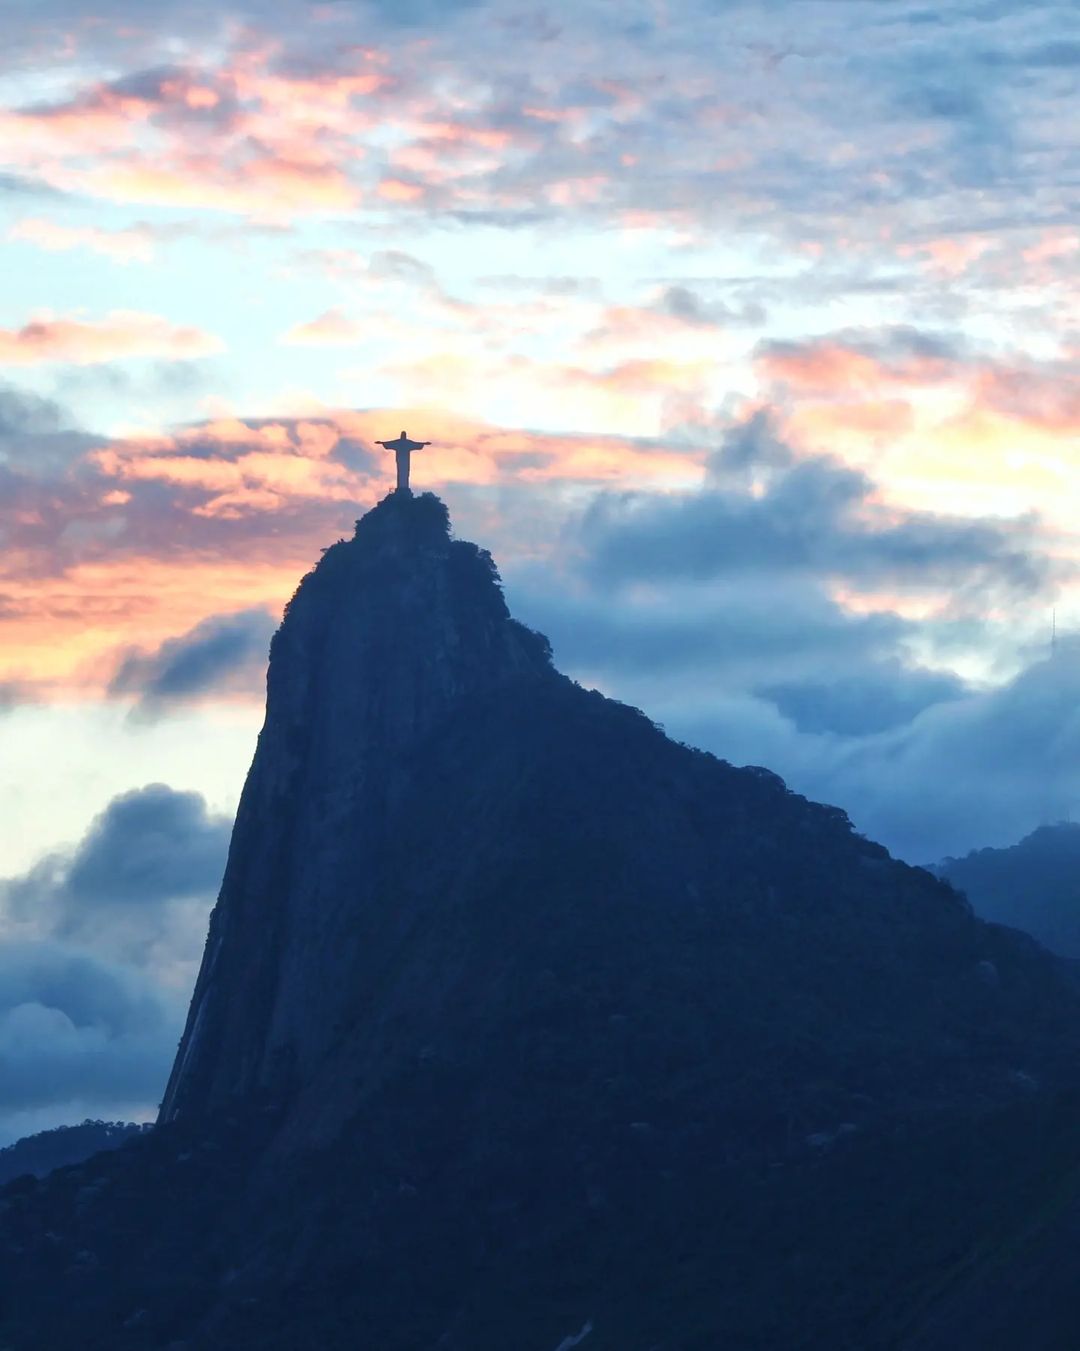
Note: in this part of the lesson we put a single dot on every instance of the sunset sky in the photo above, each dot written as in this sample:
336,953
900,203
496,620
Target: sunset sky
748,339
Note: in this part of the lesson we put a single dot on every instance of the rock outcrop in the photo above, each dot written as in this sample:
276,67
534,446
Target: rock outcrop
518,1019
394,630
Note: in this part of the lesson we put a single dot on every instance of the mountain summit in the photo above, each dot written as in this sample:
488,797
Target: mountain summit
384,642
520,1024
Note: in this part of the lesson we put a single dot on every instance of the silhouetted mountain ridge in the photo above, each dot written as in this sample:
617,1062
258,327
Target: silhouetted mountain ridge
516,1017
1033,885
39,1154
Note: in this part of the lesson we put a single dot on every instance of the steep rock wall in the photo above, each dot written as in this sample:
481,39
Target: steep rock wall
382,639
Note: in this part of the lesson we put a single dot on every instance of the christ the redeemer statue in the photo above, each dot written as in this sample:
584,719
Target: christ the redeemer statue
403,449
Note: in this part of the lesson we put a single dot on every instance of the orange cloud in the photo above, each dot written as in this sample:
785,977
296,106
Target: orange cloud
126,562
263,187
257,469
644,374
841,424
332,328
397,190
119,335
63,631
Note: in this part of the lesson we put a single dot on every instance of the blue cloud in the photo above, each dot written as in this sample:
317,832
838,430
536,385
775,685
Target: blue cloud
78,1035
765,510
92,994
881,696
148,847
220,654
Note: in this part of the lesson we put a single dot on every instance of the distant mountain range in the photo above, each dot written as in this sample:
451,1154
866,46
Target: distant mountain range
1033,885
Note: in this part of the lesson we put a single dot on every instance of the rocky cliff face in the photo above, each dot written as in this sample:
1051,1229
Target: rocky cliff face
393,630
518,1019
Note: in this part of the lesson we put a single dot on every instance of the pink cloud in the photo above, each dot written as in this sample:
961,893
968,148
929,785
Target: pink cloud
586,189
153,534
231,136
119,335
397,190
237,468
834,366
949,256
1047,398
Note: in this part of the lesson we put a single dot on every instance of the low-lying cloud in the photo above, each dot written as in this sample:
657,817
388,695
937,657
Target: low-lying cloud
99,945
75,1029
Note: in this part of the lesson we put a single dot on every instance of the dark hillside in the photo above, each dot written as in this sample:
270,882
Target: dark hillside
39,1154
518,1020
1033,885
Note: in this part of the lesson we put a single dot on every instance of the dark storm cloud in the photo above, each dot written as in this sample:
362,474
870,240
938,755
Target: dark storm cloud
222,653
148,847
765,510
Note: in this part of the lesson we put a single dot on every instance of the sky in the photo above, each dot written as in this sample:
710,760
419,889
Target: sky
747,337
